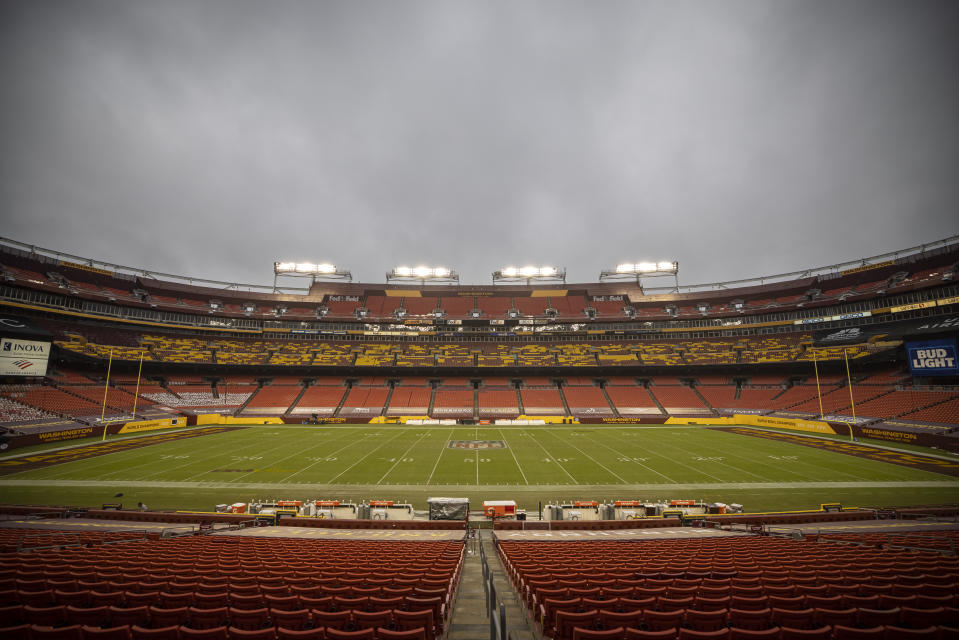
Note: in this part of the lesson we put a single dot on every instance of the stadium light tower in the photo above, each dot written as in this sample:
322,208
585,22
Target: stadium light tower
529,273
423,274
322,271
640,270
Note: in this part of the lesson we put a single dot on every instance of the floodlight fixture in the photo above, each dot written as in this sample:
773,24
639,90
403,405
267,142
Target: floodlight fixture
422,273
640,270
529,273
314,271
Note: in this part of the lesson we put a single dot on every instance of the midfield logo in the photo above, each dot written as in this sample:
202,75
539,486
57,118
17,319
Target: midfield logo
476,444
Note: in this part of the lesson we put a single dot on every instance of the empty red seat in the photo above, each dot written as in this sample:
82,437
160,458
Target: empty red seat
235,633
121,632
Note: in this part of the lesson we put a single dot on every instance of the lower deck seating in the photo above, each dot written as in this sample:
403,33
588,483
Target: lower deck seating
586,401
272,400
911,404
679,400
542,402
319,400
364,401
247,583
497,403
632,400
684,587
453,403
56,401
410,401
13,411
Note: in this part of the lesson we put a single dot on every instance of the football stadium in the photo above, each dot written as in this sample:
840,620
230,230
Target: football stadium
479,320
762,458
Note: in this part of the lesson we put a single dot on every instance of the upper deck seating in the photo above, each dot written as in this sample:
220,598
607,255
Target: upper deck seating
609,309
422,306
568,306
341,306
457,307
376,355
333,354
381,306
659,353
535,307
534,355
494,306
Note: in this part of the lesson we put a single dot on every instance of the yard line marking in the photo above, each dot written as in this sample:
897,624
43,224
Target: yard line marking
165,484
371,451
815,469
440,456
550,456
400,458
598,463
503,436
151,457
283,445
694,469
346,446
644,466
106,460
297,453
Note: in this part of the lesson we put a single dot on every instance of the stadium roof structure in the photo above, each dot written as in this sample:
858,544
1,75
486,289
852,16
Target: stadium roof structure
836,270
56,279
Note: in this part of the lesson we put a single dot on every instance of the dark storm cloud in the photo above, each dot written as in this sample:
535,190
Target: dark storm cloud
741,138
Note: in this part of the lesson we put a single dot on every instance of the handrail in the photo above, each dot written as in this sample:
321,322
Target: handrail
21,548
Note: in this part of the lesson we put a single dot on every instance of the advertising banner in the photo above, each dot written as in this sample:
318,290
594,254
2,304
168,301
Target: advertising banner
23,357
933,358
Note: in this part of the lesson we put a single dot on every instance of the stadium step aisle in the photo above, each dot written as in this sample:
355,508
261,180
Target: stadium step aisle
468,619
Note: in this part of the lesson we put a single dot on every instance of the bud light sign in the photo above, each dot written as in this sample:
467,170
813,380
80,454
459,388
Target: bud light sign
933,358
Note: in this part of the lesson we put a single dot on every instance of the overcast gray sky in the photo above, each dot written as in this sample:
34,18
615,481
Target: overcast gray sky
742,138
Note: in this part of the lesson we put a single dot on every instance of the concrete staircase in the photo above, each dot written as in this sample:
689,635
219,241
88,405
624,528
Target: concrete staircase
468,619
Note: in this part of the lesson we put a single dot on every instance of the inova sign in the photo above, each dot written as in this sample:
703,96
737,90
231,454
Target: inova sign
23,357
18,348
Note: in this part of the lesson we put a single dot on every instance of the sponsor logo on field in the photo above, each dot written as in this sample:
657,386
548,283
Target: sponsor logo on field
476,444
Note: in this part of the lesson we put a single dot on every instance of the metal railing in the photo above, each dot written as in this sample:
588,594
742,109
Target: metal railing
495,608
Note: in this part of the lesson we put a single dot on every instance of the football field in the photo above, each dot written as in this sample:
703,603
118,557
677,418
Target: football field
529,464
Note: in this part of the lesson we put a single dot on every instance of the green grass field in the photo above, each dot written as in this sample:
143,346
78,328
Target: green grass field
534,464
